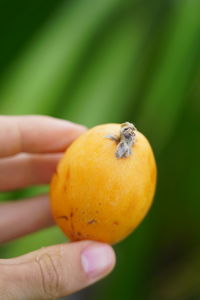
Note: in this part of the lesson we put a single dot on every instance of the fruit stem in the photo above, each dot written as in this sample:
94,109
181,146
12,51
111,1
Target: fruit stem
125,140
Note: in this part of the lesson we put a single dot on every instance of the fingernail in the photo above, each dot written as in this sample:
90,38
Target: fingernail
97,260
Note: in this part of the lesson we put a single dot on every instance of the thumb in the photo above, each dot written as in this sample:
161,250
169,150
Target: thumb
55,271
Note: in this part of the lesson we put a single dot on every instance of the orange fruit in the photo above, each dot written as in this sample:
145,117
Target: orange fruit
104,184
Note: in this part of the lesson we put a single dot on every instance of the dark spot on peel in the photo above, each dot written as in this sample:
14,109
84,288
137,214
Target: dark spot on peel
72,227
65,187
93,221
116,223
68,174
63,217
72,214
79,233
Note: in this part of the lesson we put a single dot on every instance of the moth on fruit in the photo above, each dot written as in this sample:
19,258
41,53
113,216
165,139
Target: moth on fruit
125,140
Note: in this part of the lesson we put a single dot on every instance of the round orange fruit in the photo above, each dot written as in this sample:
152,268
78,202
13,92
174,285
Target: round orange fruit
104,184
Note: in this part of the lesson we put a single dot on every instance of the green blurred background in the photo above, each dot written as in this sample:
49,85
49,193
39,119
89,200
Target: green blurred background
104,61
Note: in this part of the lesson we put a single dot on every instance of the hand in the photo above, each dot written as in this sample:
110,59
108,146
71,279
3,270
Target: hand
30,149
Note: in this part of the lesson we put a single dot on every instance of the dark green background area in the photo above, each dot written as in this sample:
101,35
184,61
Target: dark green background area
102,61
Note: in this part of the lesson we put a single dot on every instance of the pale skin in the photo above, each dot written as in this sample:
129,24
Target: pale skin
30,149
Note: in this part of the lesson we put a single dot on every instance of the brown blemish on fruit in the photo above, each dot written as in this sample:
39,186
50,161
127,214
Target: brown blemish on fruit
65,187
67,174
71,223
116,223
79,233
63,217
72,226
93,221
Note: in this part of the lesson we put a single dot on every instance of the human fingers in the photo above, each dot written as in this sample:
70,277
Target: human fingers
36,134
18,218
24,169
56,271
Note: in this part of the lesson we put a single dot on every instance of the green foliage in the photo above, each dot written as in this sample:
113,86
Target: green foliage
113,61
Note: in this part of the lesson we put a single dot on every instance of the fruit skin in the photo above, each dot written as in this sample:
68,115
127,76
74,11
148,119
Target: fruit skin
96,196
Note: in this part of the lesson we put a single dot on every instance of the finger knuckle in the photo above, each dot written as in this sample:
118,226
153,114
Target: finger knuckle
50,274
1,287
4,293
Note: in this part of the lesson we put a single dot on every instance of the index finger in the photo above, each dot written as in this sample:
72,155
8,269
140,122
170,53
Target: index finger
36,134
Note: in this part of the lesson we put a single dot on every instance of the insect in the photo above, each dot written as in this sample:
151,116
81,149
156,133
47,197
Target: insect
125,140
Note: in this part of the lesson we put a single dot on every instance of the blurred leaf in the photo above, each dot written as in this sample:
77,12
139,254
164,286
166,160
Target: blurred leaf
101,95
36,80
172,79
19,20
